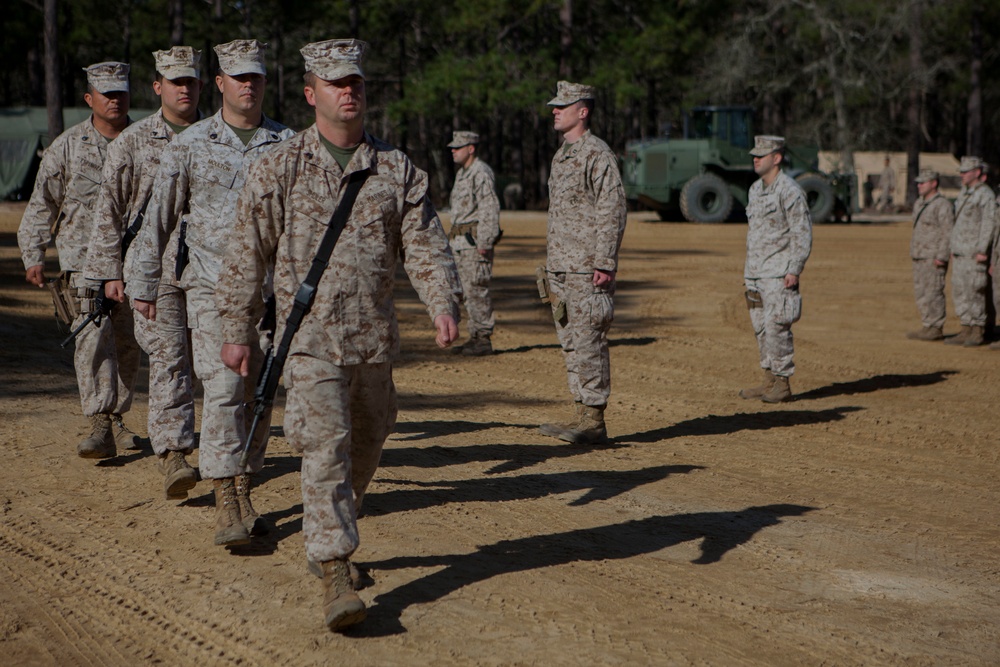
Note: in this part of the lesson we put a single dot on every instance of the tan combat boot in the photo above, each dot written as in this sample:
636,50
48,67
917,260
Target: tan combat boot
926,333
479,346
229,528
124,437
557,429
975,337
761,389
591,429
100,444
255,524
341,604
178,476
360,579
959,339
779,391
460,349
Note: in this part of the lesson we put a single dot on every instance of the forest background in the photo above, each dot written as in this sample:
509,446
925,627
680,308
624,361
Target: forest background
844,75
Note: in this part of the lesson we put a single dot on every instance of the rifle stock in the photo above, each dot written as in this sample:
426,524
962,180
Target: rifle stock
102,307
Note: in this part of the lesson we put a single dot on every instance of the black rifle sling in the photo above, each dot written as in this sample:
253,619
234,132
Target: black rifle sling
133,230
307,291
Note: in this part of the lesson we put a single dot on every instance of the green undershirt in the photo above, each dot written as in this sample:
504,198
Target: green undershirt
244,135
176,128
341,155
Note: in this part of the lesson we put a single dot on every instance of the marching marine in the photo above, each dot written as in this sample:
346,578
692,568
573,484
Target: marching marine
196,187
341,401
61,208
475,228
127,187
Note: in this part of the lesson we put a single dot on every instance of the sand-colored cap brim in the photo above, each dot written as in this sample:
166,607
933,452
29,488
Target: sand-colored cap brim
173,73
562,101
112,87
460,144
245,68
762,152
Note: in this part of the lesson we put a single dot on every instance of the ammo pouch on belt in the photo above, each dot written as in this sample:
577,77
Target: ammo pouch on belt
542,282
754,299
66,305
466,229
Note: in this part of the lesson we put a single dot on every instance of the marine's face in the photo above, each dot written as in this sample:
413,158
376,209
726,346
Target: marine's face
108,107
926,188
340,101
461,155
568,118
971,176
766,163
243,92
179,95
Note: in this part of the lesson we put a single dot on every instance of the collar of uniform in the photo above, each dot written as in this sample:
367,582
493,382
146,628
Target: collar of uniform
769,189
91,134
316,154
162,130
220,133
575,147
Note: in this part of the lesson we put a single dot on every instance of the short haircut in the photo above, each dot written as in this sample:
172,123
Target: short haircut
310,79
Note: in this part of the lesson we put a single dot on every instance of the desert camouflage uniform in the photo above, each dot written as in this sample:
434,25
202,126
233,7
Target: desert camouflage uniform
341,401
975,218
779,240
475,210
131,166
933,220
62,206
585,227
200,176
887,185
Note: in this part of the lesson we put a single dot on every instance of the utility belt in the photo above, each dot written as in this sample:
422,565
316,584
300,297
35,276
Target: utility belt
71,302
468,230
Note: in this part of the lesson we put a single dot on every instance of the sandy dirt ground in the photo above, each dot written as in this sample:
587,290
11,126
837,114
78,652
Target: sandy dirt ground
857,525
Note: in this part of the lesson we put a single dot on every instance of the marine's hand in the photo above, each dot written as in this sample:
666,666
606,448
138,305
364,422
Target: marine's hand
146,308
115,290
791,280
447,330
602,278
938,262
486,252
236,358
35,275
981,258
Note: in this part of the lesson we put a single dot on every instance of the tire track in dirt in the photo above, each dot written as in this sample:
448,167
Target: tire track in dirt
106,609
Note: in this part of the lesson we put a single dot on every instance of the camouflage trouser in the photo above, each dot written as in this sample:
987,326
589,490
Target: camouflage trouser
224,417
475,272
171,399
583,334
772,323
106,359
339,418
928,287
968,290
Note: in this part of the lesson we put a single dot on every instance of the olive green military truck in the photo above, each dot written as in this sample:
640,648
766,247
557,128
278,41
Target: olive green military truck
707,172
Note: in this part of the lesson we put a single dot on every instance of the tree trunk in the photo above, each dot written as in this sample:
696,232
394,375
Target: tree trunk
974,134
916,95
565,39
176,22
53,75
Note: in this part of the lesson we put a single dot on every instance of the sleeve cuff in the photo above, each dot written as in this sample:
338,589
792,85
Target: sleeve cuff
238,332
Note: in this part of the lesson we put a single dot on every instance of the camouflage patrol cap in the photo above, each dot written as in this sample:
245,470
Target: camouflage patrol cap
765,144
567,93
927,175
241,56
179,62
335,58
459,139
970,162
109,77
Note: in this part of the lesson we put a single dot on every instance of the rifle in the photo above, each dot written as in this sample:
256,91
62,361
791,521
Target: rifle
274,363
182,250
102,307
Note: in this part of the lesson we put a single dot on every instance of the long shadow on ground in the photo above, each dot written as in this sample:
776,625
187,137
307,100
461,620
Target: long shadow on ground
741,421
875,383
719,532
510,457
598,485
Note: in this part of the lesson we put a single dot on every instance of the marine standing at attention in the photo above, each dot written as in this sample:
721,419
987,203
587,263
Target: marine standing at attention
779,240
585,229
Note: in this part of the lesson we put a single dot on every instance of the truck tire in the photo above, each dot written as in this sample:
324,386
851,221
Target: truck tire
706,198
819,196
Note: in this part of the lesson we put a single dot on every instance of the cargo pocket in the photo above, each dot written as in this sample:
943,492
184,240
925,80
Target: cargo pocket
602,310
484,272
791,307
